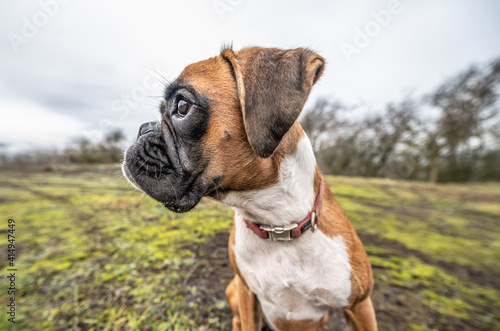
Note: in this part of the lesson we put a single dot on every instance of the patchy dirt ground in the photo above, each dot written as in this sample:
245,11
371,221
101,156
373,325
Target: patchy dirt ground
95,255
213,272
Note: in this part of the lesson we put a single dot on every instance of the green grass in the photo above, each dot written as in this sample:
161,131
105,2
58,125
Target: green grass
437,237
93,254
455,223
84,240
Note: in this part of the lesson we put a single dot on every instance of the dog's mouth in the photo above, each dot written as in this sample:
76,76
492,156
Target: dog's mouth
177,198
185,204
177,191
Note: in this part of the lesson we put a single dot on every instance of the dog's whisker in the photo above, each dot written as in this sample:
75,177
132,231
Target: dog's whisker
156,118
173,188
216,191
140,166
150,105
165,82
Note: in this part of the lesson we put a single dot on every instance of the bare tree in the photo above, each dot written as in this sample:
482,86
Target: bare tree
466,103
320,121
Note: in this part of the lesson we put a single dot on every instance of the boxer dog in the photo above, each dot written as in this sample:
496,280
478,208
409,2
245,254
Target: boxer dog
229,131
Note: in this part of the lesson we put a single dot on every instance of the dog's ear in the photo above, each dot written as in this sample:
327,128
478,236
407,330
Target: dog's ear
273,85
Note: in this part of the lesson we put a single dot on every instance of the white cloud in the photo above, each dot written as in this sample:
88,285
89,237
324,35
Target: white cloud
27,125
92,53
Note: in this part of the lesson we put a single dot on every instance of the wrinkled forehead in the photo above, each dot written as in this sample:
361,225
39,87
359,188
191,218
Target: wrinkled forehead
211,77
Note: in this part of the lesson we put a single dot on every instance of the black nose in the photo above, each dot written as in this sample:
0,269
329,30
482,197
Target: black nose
146,127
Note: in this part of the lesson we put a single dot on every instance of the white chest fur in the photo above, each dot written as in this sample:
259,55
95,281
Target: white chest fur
295,280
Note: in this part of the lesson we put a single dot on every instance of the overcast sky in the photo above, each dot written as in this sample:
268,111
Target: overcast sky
76,68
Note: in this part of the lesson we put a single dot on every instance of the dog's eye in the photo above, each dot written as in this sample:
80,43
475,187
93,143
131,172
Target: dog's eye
183,107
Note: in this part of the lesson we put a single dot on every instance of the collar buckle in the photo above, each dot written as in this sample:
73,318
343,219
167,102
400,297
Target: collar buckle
314,222
279,232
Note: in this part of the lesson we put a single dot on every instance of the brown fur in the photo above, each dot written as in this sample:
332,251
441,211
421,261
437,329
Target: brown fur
246,148
362,316
226,144
334,222
244,306
273,85
306,325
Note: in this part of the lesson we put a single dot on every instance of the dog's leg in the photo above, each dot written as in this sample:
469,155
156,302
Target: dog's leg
244,306
232,299
248,308
362,316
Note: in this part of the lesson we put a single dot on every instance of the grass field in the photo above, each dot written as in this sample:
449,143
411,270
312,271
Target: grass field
92,254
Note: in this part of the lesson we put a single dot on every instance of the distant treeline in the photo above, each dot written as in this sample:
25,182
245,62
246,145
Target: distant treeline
109,149
449,135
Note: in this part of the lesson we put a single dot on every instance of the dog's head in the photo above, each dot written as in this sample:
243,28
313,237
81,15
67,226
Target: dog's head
223,120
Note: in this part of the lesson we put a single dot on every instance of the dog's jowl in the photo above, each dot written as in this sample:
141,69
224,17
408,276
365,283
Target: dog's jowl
229,131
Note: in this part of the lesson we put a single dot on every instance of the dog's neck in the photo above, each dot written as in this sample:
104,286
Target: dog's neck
287,201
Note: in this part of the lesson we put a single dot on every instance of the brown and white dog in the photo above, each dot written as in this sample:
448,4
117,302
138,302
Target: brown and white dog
229,131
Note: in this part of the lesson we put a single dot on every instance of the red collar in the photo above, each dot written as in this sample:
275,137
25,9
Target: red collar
294,230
